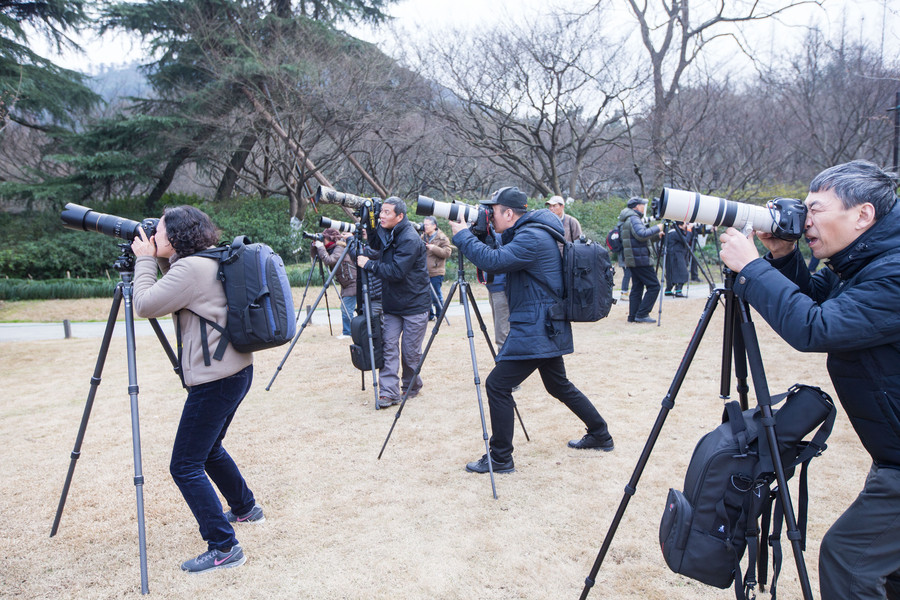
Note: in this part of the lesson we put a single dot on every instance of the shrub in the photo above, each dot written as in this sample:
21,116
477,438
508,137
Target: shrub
26,289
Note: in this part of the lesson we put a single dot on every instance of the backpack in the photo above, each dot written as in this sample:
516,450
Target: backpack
260,304
727,488
359,349
614,240
587,280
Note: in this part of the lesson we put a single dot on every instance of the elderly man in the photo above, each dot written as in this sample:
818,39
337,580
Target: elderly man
850,311
636,239
405,299
437,244
531,260
571,226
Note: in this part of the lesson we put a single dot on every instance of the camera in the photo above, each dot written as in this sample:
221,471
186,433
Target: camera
327,195
417,226
478,217
785,218
316,237
82,218
341,226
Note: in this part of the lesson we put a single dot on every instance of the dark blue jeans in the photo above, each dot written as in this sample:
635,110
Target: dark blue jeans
198,452
436,305
640,303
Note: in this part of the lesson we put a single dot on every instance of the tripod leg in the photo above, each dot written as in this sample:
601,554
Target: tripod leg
487,338
470,334
325,283
754,355
436,300
95,382
367,307
667,404
309,277
308,317
434,333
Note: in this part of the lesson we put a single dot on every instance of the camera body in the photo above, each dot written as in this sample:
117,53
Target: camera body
478,217
82,218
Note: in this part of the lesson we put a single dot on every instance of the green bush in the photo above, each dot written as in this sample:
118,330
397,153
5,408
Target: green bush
27,289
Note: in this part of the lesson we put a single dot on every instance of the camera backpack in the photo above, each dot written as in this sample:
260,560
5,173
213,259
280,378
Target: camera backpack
359,349
587,279
706,529
260,304
614,240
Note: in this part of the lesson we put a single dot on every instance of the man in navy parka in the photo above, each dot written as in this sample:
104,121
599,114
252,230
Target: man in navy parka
531,259
851,310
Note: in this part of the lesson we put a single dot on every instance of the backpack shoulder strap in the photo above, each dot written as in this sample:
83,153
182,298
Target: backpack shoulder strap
222,253
559,239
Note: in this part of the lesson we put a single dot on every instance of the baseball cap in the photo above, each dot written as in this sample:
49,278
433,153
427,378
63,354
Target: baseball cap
508,196
555,200
635,201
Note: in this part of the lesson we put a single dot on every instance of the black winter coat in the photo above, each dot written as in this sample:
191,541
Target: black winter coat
678,255
849,310
401,268
529,255
636,238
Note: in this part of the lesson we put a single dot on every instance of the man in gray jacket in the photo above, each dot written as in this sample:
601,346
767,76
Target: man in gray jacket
636,248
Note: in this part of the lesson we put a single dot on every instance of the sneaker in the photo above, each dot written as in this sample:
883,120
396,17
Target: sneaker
212,560
589,441
481,466
669,293
384,402
343,337
643,320
255,515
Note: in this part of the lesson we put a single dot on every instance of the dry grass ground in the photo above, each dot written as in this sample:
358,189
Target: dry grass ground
342,524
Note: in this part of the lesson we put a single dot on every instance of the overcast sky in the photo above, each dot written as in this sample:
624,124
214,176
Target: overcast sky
874,19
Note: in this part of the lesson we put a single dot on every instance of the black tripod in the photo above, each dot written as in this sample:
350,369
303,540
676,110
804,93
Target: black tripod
316,260
465,297
125,266
354,243
741,343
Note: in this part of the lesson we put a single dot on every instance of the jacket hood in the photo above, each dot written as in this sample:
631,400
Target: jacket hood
883,236
543,216
628,212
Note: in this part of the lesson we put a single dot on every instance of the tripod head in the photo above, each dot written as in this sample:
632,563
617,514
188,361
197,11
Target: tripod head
125,262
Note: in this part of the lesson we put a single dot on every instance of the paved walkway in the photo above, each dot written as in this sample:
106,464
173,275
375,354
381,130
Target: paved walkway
22,332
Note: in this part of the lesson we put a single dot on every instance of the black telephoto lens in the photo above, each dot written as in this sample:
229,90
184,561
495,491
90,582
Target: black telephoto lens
82,218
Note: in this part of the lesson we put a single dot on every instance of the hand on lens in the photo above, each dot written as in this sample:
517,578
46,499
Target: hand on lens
457,226
142,245
738,250
362,260
318,244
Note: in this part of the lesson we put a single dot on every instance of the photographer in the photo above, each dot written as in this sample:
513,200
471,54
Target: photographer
848,310
531,260
405,298
438,247
636,248
189,288
678,258
329,251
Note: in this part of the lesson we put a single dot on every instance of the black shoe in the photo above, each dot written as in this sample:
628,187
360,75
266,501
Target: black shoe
644,320
592,442
680,295
481,466
669,292
385,403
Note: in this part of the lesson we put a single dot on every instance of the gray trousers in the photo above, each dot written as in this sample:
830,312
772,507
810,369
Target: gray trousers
403,336
860,555
500,310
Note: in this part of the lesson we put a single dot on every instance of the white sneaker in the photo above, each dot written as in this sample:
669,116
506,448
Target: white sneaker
343,337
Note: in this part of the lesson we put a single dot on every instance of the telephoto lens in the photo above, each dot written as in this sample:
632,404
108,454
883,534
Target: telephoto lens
341,226
785,218
82,218
327,195
452,211
316,237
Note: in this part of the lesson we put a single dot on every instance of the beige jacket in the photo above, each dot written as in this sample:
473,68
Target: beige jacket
188,283
438,253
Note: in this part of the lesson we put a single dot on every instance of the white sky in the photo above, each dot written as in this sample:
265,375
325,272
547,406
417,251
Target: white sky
878,20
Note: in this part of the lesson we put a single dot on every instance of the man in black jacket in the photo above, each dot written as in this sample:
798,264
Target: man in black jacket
636,248
405,299
849,310
531,260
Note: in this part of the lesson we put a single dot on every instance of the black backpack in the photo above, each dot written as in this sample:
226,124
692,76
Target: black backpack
587,280
359,349
614,240
260,304
727,488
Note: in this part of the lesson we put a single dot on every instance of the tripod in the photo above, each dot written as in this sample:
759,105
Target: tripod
125,266
465,297
317,260
354,243
741,343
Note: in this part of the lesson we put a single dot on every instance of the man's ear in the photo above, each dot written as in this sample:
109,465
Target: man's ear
866,216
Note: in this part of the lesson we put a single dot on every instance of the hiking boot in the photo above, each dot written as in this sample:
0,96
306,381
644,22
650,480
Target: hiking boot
384,402
254,515
590,441
481,466
212,560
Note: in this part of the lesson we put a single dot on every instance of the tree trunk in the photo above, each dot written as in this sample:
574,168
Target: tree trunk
235,166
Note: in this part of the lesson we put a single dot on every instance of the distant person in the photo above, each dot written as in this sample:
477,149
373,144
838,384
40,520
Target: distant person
329,250
571,226
189,287
437,244
678,258
636,248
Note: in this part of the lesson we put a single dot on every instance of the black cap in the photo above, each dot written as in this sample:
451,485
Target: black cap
635,201
509,196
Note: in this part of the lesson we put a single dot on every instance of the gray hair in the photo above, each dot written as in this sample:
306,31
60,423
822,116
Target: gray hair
858,182
398,204
430,219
